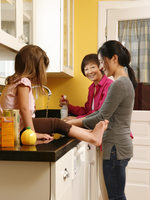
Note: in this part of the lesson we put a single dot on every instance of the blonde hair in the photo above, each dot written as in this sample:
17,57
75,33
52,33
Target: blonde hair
30,62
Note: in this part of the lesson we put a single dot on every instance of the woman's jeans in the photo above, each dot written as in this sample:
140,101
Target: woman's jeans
115,176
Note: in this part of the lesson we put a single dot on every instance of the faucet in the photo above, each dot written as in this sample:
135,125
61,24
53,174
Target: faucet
45,87
48,90
49,94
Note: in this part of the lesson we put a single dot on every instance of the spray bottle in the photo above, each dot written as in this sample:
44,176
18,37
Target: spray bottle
64,109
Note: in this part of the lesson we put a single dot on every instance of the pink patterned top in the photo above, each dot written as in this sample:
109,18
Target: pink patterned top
9,100
98,98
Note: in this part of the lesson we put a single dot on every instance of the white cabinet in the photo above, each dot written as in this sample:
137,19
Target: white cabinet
69,175
61,177
138,169
24,180
15,23
72,177
53,32
75,175
15,32
7,57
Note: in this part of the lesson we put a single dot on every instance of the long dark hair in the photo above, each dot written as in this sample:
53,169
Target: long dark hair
113,47
30,62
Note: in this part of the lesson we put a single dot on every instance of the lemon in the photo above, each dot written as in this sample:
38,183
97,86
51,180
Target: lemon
28,137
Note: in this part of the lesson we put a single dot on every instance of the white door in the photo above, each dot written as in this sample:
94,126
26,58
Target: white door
138,170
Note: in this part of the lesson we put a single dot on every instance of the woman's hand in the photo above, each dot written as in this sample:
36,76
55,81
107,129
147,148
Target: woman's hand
63,101
44,136
76,122
65,119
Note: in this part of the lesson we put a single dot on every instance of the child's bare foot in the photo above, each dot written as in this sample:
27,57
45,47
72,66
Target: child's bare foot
98,132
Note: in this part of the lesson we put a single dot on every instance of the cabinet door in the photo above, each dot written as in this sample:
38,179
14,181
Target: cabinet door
7,57
61,177
69,175
67,35
27,32
12,17
8,17
46,30
53,31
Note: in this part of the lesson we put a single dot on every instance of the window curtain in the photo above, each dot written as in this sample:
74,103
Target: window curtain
135,35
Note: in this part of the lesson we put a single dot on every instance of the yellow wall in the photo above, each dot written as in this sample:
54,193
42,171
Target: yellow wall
85,41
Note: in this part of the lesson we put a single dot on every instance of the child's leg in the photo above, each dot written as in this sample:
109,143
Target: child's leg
93,137
51,125
55,125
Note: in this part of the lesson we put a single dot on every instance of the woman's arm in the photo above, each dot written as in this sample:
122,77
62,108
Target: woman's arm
114,97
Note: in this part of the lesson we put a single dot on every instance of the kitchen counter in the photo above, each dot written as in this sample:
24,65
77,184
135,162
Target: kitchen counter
49,152
36,172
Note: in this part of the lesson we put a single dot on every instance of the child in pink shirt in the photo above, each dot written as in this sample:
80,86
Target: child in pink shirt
9,100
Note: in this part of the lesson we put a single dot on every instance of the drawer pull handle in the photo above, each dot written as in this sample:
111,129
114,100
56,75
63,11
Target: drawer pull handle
88,147
66,174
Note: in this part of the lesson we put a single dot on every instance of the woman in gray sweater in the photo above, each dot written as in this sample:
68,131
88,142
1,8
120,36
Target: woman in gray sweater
117,108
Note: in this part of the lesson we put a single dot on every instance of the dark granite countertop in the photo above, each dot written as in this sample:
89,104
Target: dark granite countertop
49,152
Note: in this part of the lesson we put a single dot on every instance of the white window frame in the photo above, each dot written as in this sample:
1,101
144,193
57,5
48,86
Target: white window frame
103,6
